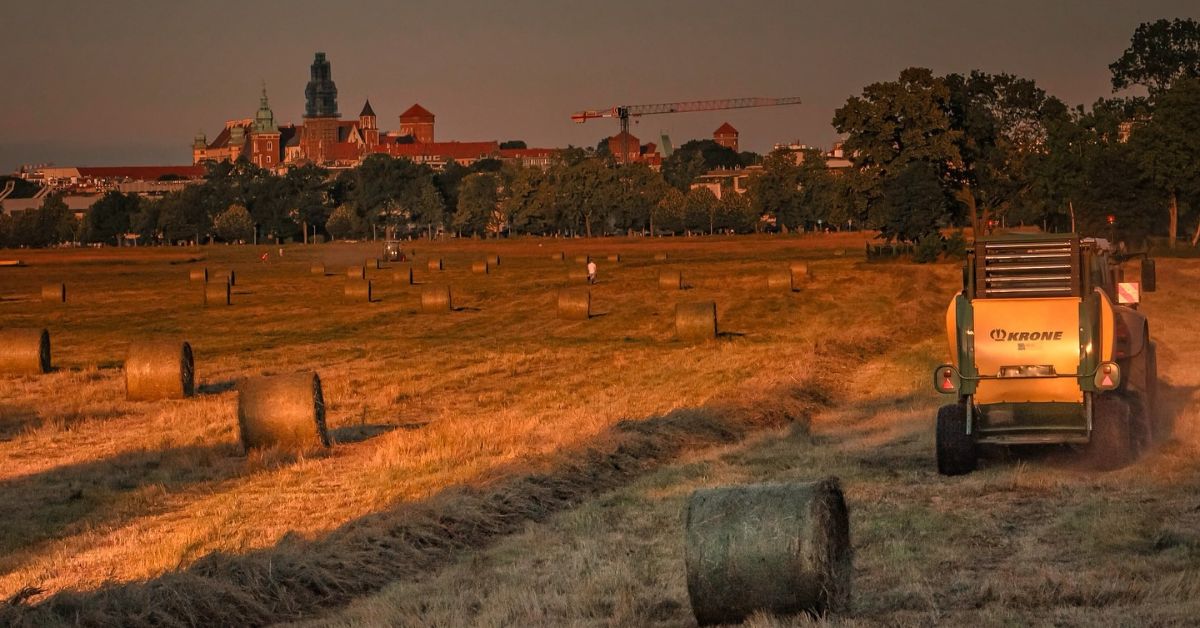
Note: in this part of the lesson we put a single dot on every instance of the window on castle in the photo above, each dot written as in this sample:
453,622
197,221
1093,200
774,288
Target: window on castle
269,145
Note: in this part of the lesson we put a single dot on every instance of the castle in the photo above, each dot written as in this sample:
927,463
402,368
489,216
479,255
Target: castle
325,139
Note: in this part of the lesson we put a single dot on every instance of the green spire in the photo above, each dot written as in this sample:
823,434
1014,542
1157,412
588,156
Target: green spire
264,120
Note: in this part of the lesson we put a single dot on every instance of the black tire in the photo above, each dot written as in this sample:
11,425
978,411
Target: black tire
956,454
1113,441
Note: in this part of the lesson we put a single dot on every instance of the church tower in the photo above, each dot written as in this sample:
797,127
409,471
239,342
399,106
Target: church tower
368,124
264,135
320,111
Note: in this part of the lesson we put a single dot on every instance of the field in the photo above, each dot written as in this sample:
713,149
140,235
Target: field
495,465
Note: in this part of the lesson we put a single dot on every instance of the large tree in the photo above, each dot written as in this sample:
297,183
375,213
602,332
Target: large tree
479,209
1159,54
1168,148
109,218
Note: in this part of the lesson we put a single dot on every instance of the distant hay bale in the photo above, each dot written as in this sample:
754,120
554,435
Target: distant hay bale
227,275
574,303
317,269
372,262
800,272
558,257
583,259
615,257
479,268
283,410
436,299
670,280
780,281
493,259
435,263
24,351
357,289
696,321
159,369
779,548
54,293
198,274
216,293
661,256
577,274
356,272
405,275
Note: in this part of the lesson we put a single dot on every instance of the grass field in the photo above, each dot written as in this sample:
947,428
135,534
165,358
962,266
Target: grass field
497,466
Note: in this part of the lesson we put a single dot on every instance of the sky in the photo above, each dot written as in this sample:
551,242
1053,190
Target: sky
131,83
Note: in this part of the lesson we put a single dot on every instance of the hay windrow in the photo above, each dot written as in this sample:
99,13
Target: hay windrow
282,411
159,369
696,321
24,351
779,548
574,303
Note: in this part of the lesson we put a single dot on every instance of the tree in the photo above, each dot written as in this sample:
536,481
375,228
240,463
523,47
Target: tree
734,213
1159,53
234,224
913,203
510,144
109,218
775,190
667,213
697,157
1168,147
700,210
344,222
478,208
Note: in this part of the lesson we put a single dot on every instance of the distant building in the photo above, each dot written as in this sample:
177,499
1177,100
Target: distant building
726,136
836,158
726,180
627,148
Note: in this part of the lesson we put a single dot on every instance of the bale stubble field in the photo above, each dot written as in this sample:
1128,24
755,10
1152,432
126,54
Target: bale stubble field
498,466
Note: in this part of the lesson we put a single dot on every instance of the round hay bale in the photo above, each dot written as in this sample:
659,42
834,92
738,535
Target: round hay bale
436,299
317,269
198,274
372,262
24,351
577,274
283,410
216,293
227,275
779,548
356,272
54,293
575,303
558,257
435,263
696,321
358,289
670,280
615,257
799,271
405,275
493,259
661,257
479,268
583,259
159,369
780,281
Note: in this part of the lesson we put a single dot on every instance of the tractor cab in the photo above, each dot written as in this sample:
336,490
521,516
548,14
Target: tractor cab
393,251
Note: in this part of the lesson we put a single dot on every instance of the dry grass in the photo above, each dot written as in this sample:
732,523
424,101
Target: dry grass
458,416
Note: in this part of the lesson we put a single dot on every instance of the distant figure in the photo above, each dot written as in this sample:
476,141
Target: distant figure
591,272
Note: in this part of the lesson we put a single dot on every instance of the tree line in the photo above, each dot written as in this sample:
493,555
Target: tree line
926,152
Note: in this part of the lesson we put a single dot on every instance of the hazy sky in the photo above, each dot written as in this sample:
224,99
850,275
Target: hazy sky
124,83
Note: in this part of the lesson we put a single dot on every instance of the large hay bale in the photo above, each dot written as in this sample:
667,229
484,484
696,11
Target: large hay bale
24,351
198,274
696,321
356,272
435,263
559,256
317,269
372,262
493,259
54,293
159,369
800,272
661,256
479,268
670,280
575,303
436,299
780,281
577,274
583,259
615,257
405,275
779,548
357,289
283,410
216,293
229,276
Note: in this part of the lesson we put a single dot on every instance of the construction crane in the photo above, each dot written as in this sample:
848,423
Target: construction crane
624,112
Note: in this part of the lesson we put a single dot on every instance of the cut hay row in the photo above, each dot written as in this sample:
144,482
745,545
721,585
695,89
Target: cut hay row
24,351
282,411
479,268
436,299
216,293
297,579
159,369
357,289
54,293
696,321
198,274
574,303
779,548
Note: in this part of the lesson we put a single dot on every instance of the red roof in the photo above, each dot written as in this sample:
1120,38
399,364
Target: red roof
725,129
416,111
140,173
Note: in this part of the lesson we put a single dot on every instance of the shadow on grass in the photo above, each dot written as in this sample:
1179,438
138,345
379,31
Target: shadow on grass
217,387
359,433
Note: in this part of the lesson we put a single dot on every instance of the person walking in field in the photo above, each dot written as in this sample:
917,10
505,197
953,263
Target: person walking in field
591,271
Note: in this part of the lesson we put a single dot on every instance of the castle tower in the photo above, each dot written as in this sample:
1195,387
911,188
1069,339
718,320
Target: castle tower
264,135
417,122
199,147
368,125
320,111
726,136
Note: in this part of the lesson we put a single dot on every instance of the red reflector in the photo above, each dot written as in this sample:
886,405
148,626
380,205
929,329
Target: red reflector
1107,381
947,384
